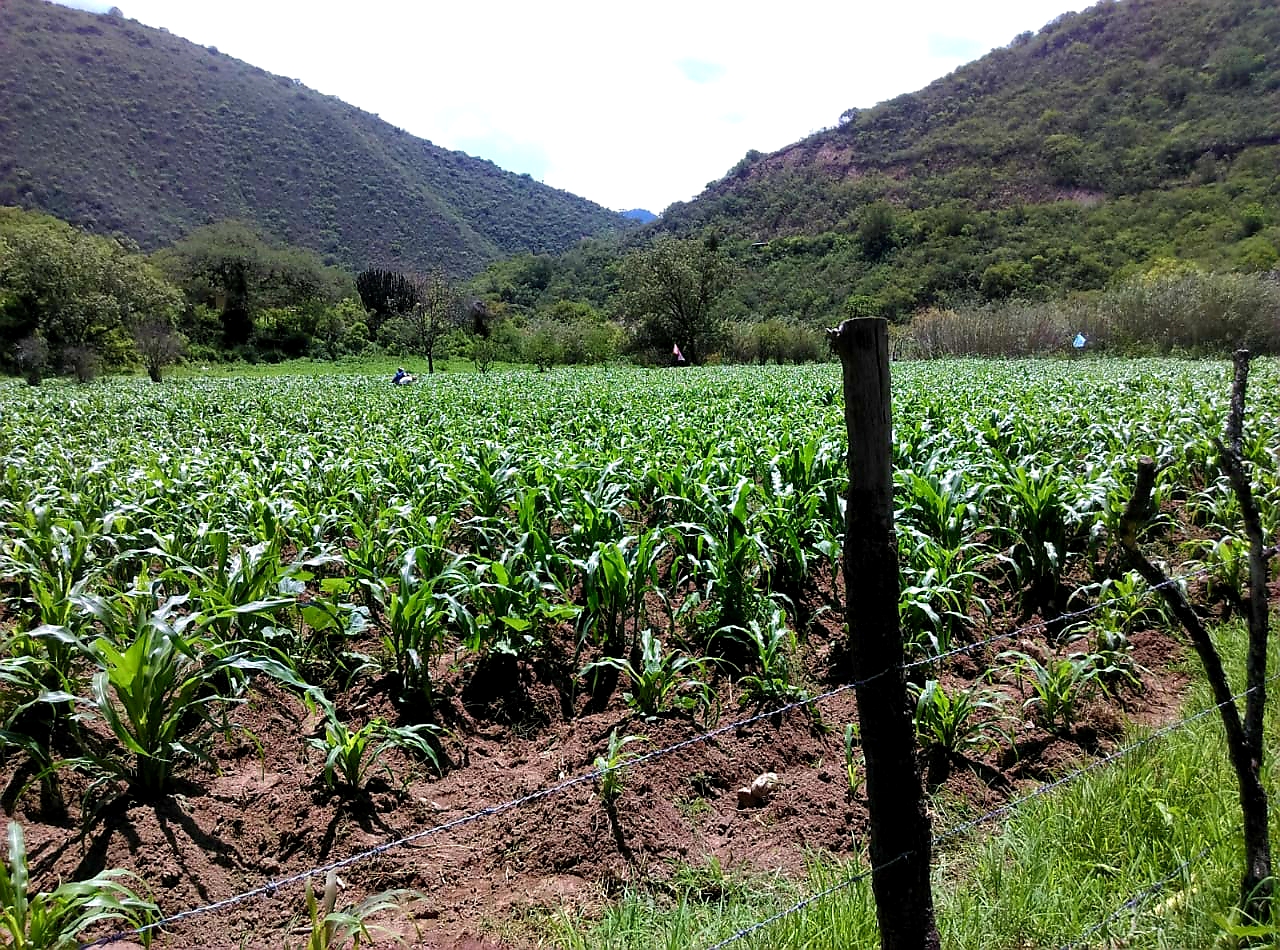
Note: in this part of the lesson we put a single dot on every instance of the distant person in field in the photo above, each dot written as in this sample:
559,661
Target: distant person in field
401,378
677,357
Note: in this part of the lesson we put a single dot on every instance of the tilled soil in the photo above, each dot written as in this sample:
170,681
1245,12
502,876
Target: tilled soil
263,816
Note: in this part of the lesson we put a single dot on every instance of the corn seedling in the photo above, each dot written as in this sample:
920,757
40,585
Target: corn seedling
351,754
160,693
1058,687
953,722
611,764
852,773
770,650
334,928
54,920
664,680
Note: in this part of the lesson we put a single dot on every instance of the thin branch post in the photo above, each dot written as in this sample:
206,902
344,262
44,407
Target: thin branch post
1244,738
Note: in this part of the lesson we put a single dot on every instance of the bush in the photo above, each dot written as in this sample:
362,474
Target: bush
776,340
1173,307
82,362
31,353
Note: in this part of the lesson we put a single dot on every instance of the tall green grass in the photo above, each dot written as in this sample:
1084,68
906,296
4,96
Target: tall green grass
1058,866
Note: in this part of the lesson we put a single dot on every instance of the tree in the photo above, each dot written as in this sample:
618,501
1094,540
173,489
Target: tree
669,290
385,294
159,345
436,310
236,269
83,295
31,353
876,229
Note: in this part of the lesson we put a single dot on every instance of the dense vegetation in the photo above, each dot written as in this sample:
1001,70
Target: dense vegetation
673,535
1109,175
1068,161
126,129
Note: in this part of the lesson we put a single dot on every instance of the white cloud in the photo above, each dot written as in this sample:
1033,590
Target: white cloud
629,105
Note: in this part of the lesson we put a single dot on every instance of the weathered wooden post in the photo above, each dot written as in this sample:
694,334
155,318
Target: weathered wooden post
900,835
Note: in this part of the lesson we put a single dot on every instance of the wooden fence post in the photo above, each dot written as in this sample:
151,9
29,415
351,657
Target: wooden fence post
900,834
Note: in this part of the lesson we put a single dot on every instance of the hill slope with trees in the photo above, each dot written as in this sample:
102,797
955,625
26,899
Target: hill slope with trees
126,129
1123,98
1114,139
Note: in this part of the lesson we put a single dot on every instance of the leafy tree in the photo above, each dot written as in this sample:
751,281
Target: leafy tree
234,268
875,229
83,295
159,345
32,356
342,328
669,290
436,309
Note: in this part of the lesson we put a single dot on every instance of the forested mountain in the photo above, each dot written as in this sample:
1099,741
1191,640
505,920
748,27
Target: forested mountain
126,129
1134,131
1123,98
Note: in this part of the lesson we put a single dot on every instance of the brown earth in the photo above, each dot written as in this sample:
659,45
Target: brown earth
262,815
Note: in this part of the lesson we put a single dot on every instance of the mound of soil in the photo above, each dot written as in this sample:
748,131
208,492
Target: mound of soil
263,816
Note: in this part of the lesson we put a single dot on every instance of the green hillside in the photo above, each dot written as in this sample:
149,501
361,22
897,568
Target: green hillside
123,128
1121,99
1071,160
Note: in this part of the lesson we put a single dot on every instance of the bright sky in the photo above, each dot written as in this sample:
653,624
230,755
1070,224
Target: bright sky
631,104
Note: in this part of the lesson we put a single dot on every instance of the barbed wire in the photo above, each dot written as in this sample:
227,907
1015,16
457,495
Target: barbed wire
991,815
271,887
1148,892
801,905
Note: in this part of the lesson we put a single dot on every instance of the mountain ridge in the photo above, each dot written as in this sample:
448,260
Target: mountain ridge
1123,97
188,135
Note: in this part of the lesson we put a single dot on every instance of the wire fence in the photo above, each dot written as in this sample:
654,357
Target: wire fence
270,888
1151,890
994,813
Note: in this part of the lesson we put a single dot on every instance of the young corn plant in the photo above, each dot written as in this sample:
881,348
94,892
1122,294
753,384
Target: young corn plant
511,604
240,592
1043,527
160,694
1125,604
771,649
940,505
1058,687
664,680
725,555
615,580
1225,561
369,560
32,714
352,754
955,722
852,772
54,920
611,764
51,557
594,514
938,592
416,616
334,928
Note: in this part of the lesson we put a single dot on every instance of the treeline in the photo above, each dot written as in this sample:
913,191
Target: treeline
77,304
1172,308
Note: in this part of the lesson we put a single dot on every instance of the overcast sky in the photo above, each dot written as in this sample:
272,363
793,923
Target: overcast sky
630,104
